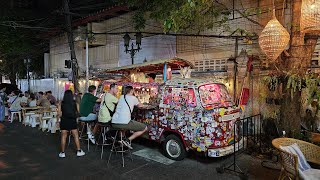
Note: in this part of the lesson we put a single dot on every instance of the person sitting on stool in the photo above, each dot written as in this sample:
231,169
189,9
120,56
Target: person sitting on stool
86,110
122,117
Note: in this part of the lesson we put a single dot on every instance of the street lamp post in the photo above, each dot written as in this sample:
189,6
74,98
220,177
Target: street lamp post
1,72
133,50
27,63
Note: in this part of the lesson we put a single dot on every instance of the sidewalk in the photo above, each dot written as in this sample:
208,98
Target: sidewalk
27,153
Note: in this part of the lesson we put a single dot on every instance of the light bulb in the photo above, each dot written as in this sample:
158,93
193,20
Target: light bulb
312,6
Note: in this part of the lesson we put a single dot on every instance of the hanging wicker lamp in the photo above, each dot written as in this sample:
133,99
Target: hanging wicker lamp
310,16
274,38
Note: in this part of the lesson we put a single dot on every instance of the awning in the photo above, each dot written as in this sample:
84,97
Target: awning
152,66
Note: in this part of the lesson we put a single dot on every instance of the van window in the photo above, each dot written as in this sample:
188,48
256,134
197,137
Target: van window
214,95
179,96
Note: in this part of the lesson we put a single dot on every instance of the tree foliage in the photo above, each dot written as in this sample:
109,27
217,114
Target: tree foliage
181,15
16,45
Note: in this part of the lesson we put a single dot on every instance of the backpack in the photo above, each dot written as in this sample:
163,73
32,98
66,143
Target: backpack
103,111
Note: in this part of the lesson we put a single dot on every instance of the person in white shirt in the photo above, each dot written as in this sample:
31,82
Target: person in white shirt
25,98
14,103
32,100
122,117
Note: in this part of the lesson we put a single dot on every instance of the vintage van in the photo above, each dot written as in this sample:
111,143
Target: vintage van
189,114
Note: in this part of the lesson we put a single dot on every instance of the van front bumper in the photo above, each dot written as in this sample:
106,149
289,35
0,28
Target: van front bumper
224,151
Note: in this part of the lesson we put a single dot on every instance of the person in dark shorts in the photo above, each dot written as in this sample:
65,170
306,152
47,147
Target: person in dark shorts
122,117
67,111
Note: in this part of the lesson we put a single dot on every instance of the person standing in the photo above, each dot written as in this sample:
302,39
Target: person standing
122,117
14,103
3,99
87,103
67,111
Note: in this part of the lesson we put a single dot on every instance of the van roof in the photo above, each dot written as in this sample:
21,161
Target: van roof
189,82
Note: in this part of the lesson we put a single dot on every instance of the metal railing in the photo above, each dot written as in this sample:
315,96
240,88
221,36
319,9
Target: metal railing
248,130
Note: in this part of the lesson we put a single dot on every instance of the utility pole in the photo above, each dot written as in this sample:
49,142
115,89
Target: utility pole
74,63
235,69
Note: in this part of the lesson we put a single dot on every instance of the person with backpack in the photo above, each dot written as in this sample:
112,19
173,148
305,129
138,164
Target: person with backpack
67,111
108,105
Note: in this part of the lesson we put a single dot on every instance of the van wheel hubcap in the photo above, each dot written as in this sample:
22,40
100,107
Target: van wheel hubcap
173,148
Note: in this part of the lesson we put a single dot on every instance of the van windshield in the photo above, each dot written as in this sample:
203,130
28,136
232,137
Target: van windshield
214,95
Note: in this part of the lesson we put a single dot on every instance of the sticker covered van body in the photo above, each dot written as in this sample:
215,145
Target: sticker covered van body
200,112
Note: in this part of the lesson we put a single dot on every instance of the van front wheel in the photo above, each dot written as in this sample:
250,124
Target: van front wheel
174,148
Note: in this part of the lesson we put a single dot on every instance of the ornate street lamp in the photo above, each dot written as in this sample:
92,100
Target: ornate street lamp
133,50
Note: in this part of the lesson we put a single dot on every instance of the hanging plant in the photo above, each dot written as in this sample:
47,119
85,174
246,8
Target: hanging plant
312,84
294,84
272,82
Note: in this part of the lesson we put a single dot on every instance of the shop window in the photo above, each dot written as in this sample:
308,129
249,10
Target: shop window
211,64
179,96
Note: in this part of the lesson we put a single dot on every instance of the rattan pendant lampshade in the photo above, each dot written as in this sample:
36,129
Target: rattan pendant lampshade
273,39
310,16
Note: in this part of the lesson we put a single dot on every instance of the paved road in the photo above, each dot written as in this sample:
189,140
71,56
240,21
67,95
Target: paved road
27,153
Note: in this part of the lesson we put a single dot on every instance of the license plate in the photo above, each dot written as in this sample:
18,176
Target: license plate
213,153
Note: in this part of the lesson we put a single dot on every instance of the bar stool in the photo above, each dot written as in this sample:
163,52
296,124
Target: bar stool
12,115
82,136
119,149
104,128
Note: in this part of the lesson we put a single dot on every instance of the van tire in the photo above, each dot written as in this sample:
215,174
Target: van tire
173,148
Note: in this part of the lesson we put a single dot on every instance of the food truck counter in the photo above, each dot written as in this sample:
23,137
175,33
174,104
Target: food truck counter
147,106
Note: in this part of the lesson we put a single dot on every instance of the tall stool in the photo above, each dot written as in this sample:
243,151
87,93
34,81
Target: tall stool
119,149
104,129
82,136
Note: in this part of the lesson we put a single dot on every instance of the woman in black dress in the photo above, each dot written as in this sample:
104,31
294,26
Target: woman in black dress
67,111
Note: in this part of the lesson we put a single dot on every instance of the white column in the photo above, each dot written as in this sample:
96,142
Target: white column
87,63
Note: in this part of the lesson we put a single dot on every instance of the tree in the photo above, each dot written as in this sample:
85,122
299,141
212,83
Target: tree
301,49
199,15
16,44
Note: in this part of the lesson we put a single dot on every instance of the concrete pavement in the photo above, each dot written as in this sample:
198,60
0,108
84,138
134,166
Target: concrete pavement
28,153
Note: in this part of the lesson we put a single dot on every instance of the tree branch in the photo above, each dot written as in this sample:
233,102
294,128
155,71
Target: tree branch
241,13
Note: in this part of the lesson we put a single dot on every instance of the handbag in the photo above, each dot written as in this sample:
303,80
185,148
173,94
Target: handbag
132,117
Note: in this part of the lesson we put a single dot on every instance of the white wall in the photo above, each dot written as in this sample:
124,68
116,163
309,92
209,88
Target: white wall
152,48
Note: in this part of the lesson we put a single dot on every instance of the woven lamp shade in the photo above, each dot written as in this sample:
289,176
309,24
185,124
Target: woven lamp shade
310,16
273,39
